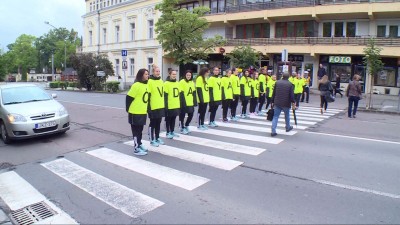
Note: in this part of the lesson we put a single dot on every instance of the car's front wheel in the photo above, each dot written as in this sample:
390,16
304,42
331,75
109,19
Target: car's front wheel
4,135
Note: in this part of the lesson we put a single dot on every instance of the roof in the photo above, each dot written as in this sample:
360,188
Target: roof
69,71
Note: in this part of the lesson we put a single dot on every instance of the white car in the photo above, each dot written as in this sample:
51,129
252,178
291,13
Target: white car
26,111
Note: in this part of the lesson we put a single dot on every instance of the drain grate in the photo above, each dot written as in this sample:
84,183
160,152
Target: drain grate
31,214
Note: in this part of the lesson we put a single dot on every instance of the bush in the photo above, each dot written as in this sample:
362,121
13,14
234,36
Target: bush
72,84
54,84
112,86
63,85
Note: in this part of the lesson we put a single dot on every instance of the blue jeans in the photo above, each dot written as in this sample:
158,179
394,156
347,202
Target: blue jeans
277,113
353,100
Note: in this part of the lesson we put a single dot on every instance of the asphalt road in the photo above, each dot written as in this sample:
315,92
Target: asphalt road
338,170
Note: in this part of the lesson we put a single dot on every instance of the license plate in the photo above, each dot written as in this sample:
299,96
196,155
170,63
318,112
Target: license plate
45,125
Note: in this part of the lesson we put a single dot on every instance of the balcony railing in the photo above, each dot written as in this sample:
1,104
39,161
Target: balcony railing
313,41
278,4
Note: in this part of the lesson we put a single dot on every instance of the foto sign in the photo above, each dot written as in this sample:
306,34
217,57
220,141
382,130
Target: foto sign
101,73
340,59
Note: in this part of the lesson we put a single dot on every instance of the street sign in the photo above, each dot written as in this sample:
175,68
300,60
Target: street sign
124,65
285,69
285,54
101,73
124,52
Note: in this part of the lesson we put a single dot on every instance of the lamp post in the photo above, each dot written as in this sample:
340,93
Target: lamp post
65,46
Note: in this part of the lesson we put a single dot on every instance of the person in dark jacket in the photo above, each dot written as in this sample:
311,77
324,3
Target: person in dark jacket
325,88
353,92
337,86
282,99
321,72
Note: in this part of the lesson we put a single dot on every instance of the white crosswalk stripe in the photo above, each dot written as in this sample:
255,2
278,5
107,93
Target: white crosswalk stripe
254,128
281,119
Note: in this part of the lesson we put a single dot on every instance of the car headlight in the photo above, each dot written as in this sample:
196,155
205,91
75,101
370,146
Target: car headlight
12,117
62,111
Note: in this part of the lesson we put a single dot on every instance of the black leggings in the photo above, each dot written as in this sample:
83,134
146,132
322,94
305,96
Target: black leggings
234,105
202,112
170,123
253,104
225,105
154,128
137,134
213,111
324,103
261,102
269,100
182,119
244,106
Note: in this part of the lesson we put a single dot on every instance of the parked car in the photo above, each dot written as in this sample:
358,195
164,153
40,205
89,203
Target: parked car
26,111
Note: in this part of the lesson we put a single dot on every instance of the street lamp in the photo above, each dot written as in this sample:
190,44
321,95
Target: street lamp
65,46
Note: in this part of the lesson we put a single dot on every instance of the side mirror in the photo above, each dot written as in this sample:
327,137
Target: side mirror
54,95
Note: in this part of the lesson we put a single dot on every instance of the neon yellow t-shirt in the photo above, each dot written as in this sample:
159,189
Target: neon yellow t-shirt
215,84
227,85
204,89
140,97
172,89
271,86
247,85
156,89
235,84
187,87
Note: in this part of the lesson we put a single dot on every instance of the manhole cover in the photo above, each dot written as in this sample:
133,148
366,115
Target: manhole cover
5,165
32,214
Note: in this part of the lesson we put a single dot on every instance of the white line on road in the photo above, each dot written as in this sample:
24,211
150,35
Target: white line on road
349,187
103,106
281,124
209,160
254,128
282,120
358,138
131,202
17,193
168,175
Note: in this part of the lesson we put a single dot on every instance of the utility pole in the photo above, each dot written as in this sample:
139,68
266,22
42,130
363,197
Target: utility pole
65,46
52,66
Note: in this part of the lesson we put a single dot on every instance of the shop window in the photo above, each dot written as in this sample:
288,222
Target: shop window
386,77
381,31
393,31
339,29
351,29
344,72
327,29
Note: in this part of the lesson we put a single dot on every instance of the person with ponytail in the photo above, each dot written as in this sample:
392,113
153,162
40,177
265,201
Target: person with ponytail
174,99
189,92
214,83
203,97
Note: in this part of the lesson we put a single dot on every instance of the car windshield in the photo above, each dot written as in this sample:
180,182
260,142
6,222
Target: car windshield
17,95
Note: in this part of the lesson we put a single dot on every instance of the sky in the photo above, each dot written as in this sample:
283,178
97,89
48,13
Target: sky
27,17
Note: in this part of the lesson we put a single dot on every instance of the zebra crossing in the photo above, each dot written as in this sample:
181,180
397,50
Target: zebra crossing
17,193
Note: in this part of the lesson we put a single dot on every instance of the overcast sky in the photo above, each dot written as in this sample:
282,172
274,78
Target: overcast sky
27,17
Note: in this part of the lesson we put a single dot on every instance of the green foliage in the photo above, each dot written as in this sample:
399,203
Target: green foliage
180,32
54,84
87,66
112,86
63,85
72,84
243,56
23,54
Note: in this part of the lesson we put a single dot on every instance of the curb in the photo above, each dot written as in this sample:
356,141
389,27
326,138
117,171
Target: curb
377,111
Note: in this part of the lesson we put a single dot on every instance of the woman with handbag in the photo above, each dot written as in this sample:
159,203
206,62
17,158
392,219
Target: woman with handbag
325,88
354,93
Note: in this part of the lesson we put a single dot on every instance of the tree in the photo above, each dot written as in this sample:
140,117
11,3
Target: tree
24,54
87,66
180,32
243,56
3,69
372,60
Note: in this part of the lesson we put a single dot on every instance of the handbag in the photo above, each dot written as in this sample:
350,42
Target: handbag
329,97
270,114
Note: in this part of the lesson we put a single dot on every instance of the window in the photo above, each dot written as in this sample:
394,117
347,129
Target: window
104,36
393,31
214,6
91,7
339,29
351,29
151,29
260,30
381,31
386,77
90,38
290,29
116,34
344,72
117,67
300,29
132,67
239,31
149,63
327,29
132,31
221,6
295,29
280,30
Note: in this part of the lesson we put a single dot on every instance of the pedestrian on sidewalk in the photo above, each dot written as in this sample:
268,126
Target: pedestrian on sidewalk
156,106
325,88
306,87
321,72
262,78
337,86
136,105
354,93
214,83
227,94
255,93
236,93
174,99
186,86
282,100
203,96
245,92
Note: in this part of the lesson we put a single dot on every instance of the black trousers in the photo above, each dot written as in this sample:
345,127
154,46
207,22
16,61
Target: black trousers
297,98
269,100
225,105
338,91
261,102
137,134
182,119
213,112
306,91
324,103
155,128
170,123
234,105
202,112
244,106
253,104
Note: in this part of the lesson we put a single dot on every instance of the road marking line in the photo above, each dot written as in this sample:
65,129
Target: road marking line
234,135
315,113
349,187
209,160
269,123
358,138
17,193
254,128
317,109
219,145
282,119
162,173
129,201
103,106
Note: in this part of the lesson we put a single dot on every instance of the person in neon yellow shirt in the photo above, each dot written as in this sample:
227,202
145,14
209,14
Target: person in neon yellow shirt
245,92
214,83
227,94
236,93
203,96
136,105
306,87
174,99
189,92
298,83
262,78
270,90
255,92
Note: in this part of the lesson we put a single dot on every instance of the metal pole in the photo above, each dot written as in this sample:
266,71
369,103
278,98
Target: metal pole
52,65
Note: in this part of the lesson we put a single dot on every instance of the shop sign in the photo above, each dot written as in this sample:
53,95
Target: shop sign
340,59
291,58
